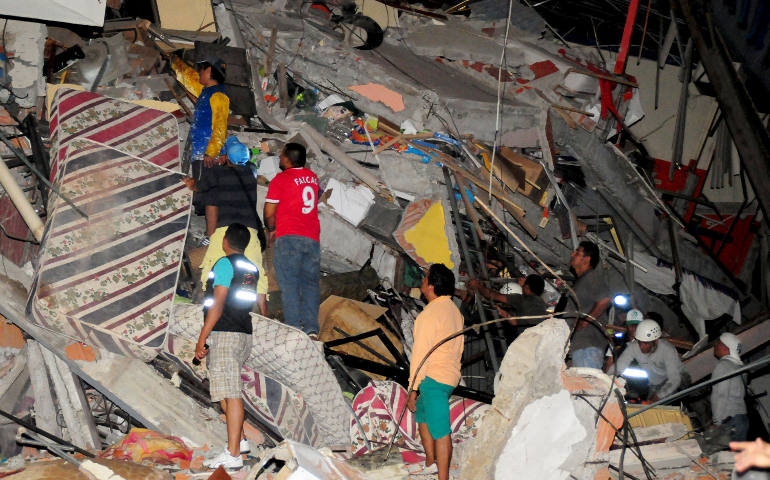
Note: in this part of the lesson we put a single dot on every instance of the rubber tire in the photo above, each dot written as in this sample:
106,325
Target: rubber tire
374,34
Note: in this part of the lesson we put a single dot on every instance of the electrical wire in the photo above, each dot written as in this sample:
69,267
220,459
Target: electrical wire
499,97
477,326
637,453
443,341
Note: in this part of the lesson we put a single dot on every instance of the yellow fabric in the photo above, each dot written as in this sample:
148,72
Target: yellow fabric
429,238
438,320
220,111
253,252
187,76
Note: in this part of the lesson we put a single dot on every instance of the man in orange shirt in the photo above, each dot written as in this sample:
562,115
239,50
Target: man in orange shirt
440,373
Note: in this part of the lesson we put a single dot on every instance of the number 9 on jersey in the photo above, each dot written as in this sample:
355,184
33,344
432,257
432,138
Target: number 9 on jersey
308,199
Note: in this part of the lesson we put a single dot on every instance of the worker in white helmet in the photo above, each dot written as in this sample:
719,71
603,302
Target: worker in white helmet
655,356
633,318
522,297
728,406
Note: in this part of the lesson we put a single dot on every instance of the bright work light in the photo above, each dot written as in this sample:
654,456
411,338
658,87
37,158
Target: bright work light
631,372
620,300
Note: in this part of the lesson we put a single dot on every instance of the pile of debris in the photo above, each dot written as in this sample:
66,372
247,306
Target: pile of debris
436,138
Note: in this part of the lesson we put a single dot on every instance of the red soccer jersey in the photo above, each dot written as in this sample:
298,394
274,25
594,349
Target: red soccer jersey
295,190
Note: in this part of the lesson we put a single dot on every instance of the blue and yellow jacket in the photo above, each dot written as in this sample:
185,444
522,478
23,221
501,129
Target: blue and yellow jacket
209,125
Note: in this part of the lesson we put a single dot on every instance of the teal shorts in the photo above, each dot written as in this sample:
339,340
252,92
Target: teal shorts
433,407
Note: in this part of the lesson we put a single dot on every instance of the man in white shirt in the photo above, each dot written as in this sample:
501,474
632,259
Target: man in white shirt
655,356
728,406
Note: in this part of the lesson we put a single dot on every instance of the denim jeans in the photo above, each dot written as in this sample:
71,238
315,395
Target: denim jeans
591,357
740,427
297,262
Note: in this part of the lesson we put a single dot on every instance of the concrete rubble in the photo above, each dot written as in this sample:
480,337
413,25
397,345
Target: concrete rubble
463,135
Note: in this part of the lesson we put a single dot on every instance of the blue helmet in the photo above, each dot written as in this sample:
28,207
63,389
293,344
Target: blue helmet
237,152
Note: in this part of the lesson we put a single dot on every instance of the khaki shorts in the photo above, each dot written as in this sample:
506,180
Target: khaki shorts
228,351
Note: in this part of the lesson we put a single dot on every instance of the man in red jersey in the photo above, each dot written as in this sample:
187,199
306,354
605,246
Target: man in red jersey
291,217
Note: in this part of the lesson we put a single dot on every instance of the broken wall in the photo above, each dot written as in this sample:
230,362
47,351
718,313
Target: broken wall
543,421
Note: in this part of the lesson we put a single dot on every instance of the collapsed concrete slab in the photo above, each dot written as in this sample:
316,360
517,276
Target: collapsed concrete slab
132,385
539,404
662,455
531,369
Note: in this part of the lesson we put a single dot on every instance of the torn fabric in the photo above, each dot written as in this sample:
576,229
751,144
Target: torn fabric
700,301
381,402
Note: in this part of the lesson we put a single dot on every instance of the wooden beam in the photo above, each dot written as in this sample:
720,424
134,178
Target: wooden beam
283,88
357,170
271,51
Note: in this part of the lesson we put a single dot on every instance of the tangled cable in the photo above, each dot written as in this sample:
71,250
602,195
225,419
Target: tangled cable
475,327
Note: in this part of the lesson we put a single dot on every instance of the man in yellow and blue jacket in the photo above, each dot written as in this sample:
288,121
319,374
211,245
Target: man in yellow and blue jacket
209,125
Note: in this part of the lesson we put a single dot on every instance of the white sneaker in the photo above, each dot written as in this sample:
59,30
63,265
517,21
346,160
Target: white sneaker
224,460
243,446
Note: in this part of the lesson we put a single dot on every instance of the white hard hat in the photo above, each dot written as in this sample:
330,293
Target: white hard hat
634,316
511,288
733,343
647,331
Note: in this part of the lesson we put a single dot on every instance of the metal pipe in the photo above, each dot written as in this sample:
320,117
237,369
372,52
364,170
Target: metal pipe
475,234
471,272
563,199
363,345
676,396
681,119
56,439
42,177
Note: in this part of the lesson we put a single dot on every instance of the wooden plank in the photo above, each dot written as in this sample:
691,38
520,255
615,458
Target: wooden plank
283,89
509,205
535,179
271,51
363,174
390,143
45,408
